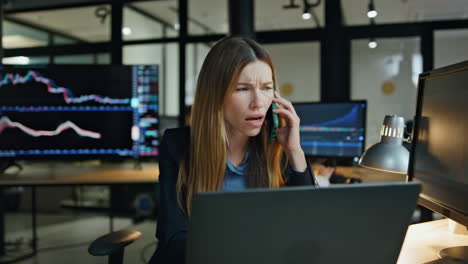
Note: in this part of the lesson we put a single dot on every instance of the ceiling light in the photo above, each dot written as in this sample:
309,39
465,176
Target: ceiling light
20,41
306,15
371,13
16,60
126,31
372,44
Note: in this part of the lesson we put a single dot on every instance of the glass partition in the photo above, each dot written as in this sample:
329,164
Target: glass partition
297,67
167,57
386,77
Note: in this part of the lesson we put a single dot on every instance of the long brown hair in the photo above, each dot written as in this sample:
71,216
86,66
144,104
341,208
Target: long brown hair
202,168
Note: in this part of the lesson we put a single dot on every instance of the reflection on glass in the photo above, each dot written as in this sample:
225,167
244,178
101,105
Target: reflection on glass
273,15
301,82
207,17
151,19
137,24
24,60
39,60
75,59
385,77
426,162
91,24
103,58
390,12
441,147
100,58
196,54
58,40
20,36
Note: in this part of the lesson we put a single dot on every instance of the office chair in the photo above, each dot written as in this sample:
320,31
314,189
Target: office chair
113,244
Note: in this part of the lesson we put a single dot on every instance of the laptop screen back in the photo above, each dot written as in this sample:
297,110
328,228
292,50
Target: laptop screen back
342,224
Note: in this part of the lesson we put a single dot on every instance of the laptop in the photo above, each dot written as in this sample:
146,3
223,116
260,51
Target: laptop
358,223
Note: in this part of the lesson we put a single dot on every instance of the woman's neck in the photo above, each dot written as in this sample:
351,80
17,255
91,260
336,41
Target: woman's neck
236,148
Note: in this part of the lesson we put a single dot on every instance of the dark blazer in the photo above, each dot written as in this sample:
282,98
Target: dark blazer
172,223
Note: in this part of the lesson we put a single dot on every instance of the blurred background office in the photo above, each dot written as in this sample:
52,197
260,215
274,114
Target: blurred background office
324,51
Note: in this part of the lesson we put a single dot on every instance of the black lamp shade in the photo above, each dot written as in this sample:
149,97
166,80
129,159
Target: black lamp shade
389,154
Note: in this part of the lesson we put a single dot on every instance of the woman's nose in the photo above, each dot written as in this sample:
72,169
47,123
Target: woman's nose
259,100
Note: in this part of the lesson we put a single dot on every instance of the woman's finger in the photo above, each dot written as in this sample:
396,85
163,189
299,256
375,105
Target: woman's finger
285,103
293,120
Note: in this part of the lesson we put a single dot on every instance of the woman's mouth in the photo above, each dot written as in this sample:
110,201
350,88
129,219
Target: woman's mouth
255,121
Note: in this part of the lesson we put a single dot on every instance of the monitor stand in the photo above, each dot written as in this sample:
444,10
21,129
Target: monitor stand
424,242
455,254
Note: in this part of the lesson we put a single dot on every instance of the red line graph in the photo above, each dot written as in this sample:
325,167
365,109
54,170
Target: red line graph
5,123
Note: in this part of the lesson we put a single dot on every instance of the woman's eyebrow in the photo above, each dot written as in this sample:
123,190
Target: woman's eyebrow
251,83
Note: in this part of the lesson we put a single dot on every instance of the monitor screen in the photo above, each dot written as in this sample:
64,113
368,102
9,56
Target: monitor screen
78,111
332,129
439,154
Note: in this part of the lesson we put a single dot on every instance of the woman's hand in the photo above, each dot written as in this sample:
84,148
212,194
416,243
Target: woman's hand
288,136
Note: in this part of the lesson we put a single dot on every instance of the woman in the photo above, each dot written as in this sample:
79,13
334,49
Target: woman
227,146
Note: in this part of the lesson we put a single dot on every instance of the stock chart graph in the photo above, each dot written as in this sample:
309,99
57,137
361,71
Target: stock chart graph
5,123
332,129
34,77
79,110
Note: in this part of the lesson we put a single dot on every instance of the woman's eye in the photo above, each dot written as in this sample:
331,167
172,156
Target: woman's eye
241,89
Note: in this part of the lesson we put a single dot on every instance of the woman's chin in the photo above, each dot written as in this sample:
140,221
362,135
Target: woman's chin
253,132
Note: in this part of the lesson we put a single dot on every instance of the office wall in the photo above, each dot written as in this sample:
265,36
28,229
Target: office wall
195,55
298,65
386,77
450,47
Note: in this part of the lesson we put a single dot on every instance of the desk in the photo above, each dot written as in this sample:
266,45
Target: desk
76,174
364,174
37,175
368,175
424,241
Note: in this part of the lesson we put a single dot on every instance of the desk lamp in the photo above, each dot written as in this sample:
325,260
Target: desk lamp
389,154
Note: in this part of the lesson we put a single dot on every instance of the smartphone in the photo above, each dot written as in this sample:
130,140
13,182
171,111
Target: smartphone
275,120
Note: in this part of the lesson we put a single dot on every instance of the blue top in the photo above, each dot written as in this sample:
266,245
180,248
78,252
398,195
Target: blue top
234,177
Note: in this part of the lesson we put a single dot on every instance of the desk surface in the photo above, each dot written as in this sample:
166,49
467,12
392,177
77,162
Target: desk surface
76,174
368,175
364,174
424,241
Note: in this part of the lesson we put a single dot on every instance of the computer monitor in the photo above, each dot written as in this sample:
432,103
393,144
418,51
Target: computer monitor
78,111
333,130
439,153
